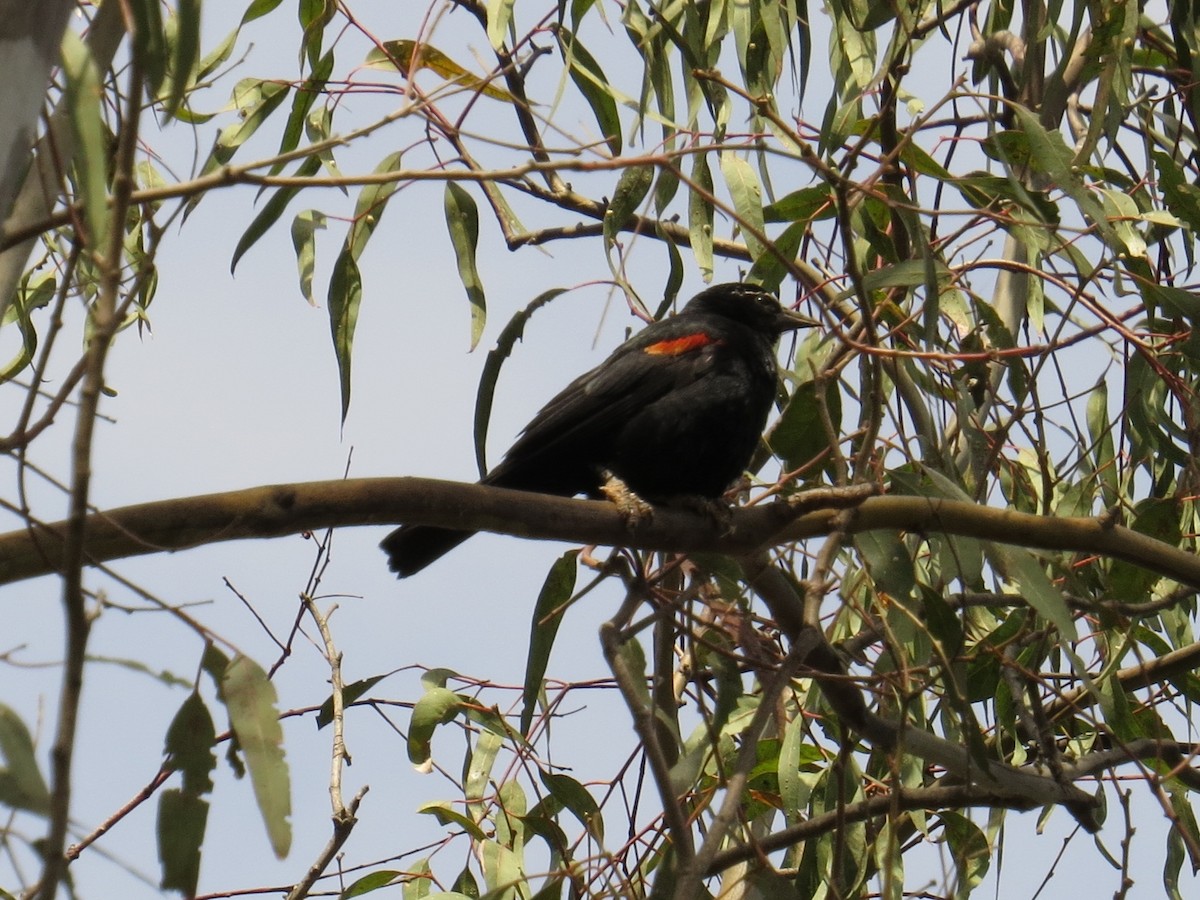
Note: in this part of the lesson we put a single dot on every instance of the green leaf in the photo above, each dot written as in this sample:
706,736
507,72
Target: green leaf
350,693
462,218
372,201
345,296
799,437
666,186
186,53
1123,217
634,658
477,777
1172,300
149,41
769,270
466,884
746,193
396,56
304,229
21,782
502,871
1049,152
674,272
314,16
512,333
214,663
372,882
889,562
576,799
447,815
1102,448
969,846
419,880
700,216
1181,196
905,274
302,103
1159,519
1020,566
499,18
794,757
84,95
259,8
255,100
189,745
437,706
547,616
25,300
804,205
631,190
250,699
182,821
589,80
209,63
270,214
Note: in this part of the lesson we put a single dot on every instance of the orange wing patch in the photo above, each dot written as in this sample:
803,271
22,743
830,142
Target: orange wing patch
679,346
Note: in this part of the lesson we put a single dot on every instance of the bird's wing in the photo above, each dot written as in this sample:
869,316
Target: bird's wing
655,362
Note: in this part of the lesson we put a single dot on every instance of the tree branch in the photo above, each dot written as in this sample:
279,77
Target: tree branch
277,510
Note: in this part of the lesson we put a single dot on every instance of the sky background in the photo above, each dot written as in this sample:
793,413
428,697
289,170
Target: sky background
236,386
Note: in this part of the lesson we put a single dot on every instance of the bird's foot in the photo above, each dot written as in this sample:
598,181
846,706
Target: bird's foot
716,511
633,509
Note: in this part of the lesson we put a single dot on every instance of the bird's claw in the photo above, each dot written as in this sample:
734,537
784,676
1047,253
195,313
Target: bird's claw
633,509
716,511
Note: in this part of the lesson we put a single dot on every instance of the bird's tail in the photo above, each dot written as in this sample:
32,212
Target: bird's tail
410,548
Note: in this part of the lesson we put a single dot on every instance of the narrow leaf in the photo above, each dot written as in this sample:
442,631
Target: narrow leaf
632,187
186,52
250,699
302,103
255,100
700,216
556,590
22,786
149,41
576,800
304,228
258,9
499,18
462,218
182,821
397,56
271,212
746,193
589,79
372,882
345,296
189,744
447,815
512,333
368,208
350,693
84,95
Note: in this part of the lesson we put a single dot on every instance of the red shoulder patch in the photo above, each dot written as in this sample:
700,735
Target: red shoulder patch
680,345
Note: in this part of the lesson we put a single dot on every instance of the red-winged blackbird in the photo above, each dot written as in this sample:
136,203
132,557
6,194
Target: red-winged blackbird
677,410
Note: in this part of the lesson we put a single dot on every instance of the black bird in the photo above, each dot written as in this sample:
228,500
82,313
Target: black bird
677,410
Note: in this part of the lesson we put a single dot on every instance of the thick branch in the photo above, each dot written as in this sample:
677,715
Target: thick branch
278,510
930,798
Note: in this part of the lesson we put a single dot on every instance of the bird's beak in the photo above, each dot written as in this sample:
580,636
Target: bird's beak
790,320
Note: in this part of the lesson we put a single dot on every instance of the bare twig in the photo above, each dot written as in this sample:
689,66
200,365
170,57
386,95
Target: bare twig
632,690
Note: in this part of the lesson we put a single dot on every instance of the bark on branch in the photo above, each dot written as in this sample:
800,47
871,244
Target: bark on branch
277,510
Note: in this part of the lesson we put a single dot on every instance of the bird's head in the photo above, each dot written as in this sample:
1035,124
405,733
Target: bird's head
750,305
